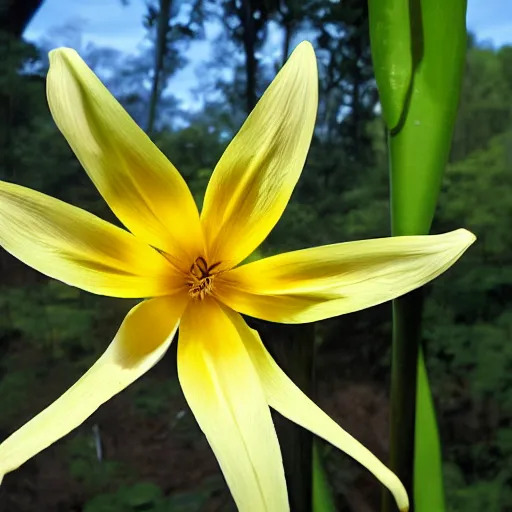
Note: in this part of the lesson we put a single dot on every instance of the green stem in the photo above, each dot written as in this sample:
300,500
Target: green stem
407,311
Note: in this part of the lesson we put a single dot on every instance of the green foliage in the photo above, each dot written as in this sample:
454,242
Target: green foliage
469,324
141,496
149,497
94,475
152,400
16,389
486,106
52,316
492,495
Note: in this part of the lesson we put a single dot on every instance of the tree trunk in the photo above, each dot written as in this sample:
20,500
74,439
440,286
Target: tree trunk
288,32
251,64
160,51
15,15
356,113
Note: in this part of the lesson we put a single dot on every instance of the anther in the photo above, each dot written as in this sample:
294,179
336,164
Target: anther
201,278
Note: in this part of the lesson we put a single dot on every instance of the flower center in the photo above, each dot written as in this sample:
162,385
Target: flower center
201,278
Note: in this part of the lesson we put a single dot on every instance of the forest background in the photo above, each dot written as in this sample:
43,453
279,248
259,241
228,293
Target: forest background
143,450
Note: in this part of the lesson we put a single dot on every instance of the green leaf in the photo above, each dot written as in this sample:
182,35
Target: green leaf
420,113
390,37
427,457
322,494
420,147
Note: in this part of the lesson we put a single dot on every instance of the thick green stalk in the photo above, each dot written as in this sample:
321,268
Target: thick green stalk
419,145
406,332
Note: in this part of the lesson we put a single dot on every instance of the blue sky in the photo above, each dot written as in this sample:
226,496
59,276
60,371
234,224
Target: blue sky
110,23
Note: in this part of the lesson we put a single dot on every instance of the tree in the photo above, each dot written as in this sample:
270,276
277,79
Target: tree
485,106
171,34
346,75
15,15
246,23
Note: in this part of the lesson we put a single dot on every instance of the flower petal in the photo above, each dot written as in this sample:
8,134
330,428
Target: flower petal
141,341
224,392
322,282
141,186
255,177
286,398
74,246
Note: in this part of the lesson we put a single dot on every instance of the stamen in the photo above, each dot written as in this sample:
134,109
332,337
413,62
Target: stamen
201,278
202,266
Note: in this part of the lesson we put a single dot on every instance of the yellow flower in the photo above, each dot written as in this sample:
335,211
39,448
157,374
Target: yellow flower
184,264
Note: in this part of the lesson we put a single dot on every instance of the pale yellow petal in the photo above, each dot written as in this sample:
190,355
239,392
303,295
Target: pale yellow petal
141,341
322,282
286,398
74,246
257,173
141,186
224,392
